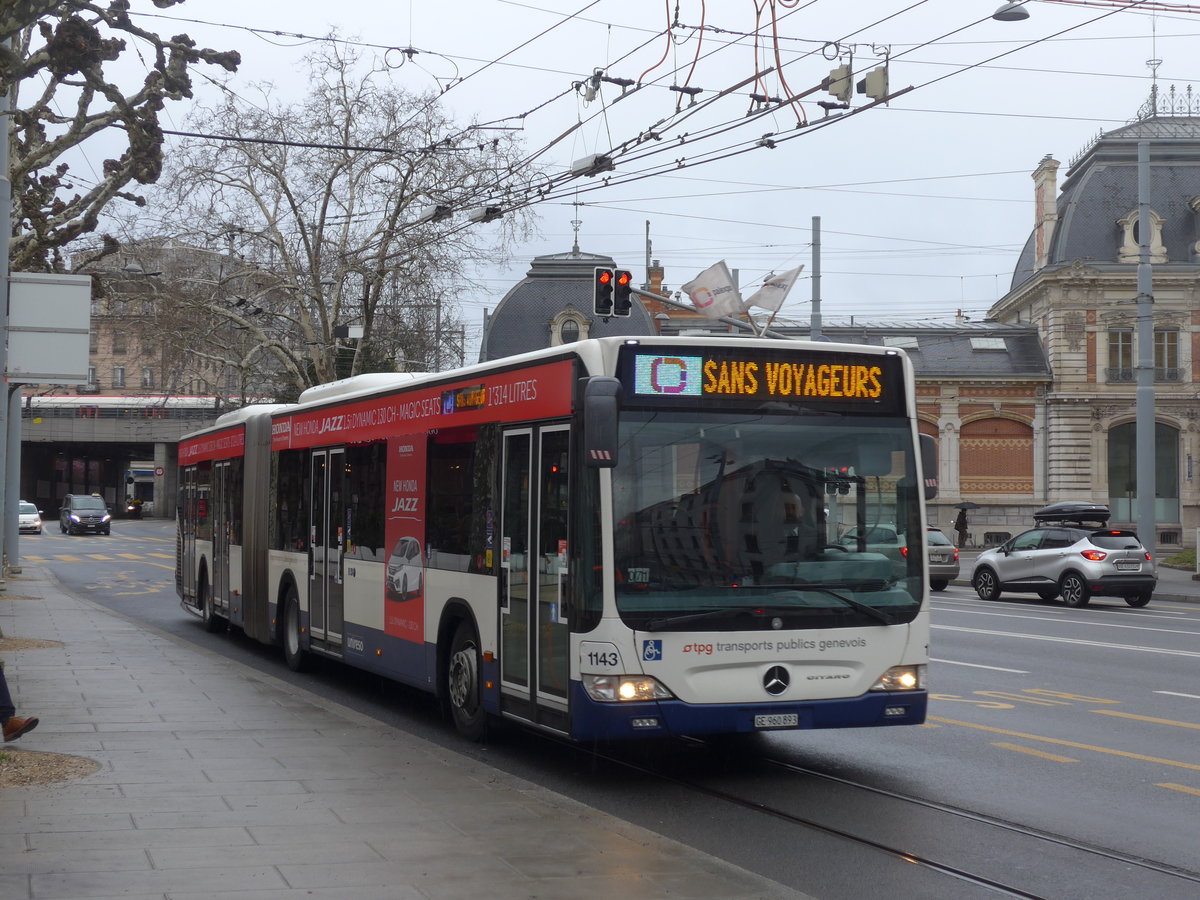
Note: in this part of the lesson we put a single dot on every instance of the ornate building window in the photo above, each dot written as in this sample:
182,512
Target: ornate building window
1166,355
1120,355
568,326
1130,250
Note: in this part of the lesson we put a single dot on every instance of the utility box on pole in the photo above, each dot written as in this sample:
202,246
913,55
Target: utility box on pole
49,323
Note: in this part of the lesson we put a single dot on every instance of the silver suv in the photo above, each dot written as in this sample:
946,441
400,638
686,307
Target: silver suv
1070,553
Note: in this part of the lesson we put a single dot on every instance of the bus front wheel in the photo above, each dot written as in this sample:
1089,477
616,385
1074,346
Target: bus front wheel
462,683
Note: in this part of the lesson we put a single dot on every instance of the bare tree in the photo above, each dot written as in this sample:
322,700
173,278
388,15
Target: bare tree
319,202
58,51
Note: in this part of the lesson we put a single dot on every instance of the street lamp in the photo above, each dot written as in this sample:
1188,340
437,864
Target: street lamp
1011,12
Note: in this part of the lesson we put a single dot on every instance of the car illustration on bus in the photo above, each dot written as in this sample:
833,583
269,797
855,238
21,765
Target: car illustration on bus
404,569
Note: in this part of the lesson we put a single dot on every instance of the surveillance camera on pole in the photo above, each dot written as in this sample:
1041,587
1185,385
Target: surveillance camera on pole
875,83
839,83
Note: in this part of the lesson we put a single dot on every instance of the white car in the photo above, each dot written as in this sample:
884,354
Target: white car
404,568
30,518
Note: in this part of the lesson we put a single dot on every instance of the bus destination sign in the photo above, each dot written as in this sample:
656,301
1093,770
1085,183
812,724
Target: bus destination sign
733,376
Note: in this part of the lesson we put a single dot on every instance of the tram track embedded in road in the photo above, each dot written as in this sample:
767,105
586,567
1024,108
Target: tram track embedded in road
901,853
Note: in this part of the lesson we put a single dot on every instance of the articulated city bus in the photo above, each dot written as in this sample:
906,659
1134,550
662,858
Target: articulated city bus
609,539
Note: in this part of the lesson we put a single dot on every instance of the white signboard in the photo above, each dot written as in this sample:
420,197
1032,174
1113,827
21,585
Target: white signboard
48,321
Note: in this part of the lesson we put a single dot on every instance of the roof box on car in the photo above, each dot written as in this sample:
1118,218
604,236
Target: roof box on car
1073,512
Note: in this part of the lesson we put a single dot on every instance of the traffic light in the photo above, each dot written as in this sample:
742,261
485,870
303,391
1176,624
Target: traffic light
602,292
622,289
839,83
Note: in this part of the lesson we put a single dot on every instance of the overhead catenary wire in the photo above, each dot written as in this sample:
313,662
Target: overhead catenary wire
694,163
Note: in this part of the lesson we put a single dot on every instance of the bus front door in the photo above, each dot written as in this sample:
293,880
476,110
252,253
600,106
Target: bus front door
327,543
535,639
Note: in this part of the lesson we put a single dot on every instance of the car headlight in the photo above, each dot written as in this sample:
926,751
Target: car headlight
106,517
901,678
74,518
616,688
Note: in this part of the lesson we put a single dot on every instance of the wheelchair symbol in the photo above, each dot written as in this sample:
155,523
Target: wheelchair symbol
651,650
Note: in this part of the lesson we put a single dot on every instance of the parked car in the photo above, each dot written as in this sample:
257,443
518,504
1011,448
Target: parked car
1070,552
882,539
30,518
81,513
404,568
943,558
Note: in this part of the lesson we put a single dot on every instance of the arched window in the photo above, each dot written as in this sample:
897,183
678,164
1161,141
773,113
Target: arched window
568,326
995,457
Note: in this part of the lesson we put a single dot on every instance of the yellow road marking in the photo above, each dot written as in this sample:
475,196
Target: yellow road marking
130,555
162,555
1061,743
1179,787
65,558
1022,698
1125,715
1080,698
1040,754
99,556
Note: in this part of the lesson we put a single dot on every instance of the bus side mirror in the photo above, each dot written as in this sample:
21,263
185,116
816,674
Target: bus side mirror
929,464
601,414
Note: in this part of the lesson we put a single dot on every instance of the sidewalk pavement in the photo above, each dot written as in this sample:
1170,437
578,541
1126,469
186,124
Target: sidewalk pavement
217,781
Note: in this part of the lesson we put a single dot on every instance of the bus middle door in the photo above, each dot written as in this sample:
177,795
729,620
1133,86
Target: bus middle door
187,534
535,639
220,537
327,543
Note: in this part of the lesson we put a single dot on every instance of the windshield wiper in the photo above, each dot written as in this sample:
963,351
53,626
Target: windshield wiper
757,612
865,608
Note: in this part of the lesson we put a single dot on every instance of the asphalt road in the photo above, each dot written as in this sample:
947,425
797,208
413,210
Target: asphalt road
1080,724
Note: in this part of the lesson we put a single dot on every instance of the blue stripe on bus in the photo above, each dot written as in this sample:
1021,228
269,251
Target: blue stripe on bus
597,721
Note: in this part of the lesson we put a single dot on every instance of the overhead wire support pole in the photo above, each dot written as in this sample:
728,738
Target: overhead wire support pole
1147,525
5,234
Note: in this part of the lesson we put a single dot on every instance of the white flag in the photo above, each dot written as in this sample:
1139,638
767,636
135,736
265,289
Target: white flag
714,293
774,290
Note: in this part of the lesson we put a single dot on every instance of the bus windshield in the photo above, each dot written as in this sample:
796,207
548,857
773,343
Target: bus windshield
766,520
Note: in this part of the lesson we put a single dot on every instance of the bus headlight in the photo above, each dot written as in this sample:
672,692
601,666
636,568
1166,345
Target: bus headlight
616,688
901,678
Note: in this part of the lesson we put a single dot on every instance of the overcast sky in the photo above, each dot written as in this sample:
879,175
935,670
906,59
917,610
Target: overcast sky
924,203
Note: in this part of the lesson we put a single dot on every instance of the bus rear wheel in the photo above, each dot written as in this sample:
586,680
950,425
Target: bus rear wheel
293,651
208,610
463,683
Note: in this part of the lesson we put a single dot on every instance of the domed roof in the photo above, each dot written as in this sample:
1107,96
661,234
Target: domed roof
554,282
1101,188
